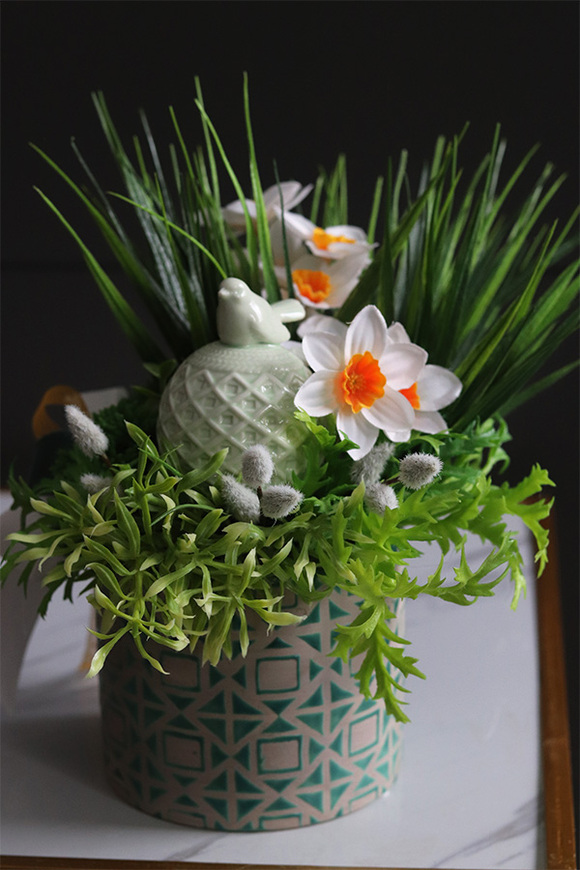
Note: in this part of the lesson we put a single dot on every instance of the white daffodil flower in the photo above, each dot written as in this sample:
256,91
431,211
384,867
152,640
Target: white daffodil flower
330,243
292,193
320,284
435,388
358,377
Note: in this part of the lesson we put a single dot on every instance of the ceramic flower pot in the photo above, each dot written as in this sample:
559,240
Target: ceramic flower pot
281,738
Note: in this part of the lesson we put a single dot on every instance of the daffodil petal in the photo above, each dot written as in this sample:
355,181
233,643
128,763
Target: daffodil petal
357,429
367,332
291,243
323,351
292,194
347,271
280,273
317,396
430,422
398,435
339,250
402,364
336,297
233,213
322,323
398,334
341,242
391,412
298,225
310,263
356,233
271,195
437,387
296,348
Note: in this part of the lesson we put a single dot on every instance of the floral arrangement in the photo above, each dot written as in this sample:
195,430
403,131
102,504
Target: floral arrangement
455,309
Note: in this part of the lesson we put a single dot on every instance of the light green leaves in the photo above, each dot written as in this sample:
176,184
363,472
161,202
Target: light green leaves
163,560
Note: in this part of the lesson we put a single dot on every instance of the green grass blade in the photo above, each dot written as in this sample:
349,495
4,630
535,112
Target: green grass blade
264,244
197,316
251,240
175,227
148,287
317,196
127,319
215,188
372,226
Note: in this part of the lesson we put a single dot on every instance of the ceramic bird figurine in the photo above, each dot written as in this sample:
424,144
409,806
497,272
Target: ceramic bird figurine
238,391
244,318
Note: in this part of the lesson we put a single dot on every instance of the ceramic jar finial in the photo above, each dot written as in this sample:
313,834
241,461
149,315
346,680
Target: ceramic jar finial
244,318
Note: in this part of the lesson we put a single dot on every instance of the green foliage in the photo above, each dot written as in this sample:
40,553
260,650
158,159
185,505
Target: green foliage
185,248
162,559
70,462
488,294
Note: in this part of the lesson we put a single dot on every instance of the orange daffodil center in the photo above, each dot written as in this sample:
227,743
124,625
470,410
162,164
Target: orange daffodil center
319,284
312,284
322,239
412,396
361,382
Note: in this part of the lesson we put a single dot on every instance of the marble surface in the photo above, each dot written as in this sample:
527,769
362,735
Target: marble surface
468,796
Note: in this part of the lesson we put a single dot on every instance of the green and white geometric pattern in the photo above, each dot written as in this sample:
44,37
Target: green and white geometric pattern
280,739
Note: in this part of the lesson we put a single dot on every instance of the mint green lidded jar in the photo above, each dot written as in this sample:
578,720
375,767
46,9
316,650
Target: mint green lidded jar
238,391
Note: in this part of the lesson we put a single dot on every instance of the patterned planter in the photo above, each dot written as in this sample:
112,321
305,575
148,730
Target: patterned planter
279,739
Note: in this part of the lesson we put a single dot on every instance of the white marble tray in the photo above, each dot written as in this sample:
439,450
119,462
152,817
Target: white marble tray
469,793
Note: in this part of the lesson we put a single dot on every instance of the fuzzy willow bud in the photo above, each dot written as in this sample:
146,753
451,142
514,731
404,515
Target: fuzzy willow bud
86,434
379,496
240,501
418,469
371,466
94,482
279,501
257,466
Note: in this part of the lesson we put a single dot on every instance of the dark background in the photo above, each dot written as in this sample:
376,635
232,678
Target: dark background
364,78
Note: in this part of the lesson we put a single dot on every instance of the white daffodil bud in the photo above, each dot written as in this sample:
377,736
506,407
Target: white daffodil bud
379,497
371,466
240,501
257,466
279,501
86,434
418,469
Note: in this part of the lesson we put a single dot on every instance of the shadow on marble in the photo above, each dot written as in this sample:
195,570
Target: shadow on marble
42,755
